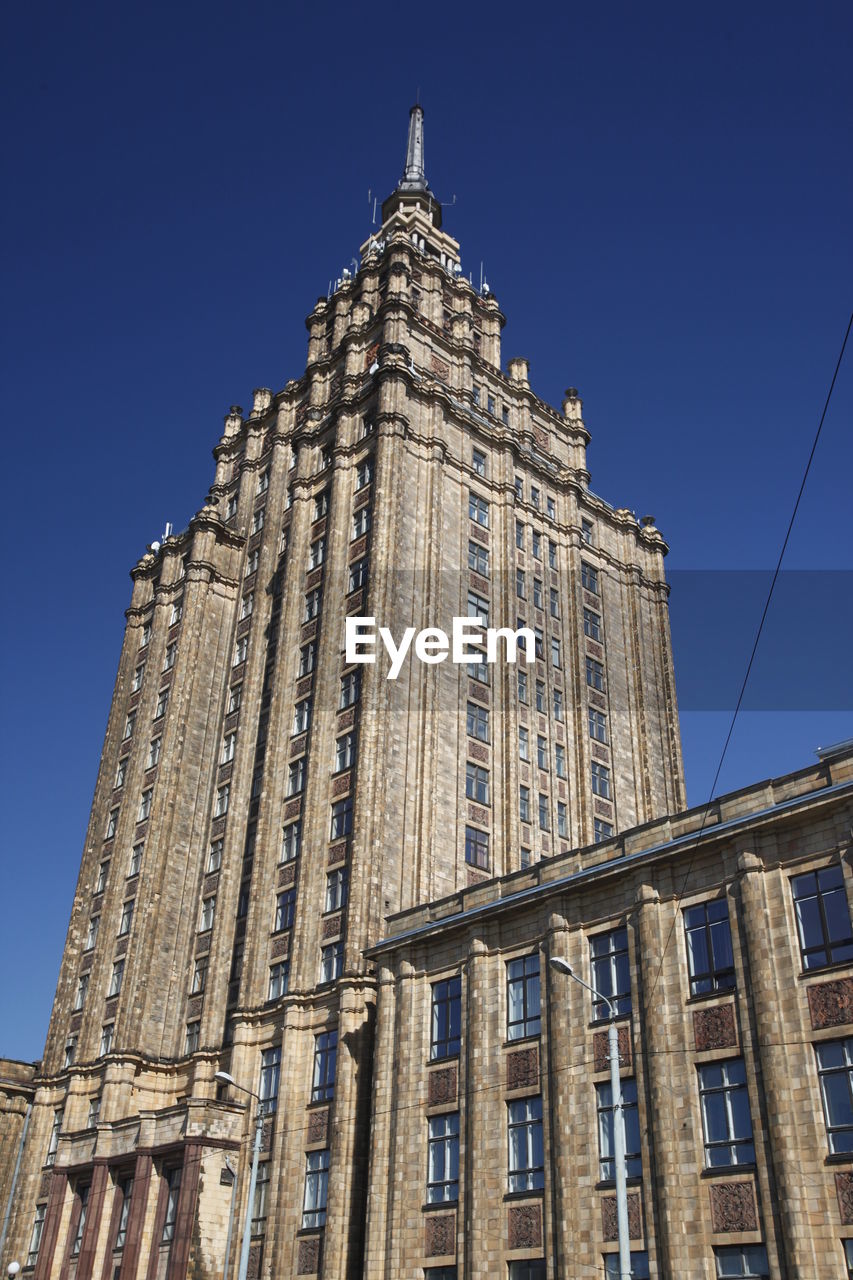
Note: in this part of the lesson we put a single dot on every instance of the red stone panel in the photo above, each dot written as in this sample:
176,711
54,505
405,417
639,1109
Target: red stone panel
524,1226
733,1207
844,1191
308,1260
318,1126
522,1068
442,1085
715,1028
609,1223
831,1003
440,1235
601,1052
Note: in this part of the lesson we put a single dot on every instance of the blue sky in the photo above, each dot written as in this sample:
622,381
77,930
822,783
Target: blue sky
662,198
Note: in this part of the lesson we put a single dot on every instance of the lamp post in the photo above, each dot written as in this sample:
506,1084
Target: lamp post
563,966
253,1177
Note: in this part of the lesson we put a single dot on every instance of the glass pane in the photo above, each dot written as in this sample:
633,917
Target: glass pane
808,918
836,1092
837,914
716,1120
721,942
697,951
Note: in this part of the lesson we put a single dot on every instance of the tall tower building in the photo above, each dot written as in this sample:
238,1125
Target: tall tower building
264,803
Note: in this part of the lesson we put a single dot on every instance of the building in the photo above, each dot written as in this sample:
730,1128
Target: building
264,803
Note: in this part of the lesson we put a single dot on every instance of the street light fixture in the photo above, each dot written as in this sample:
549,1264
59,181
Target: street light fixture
563,966
253,1177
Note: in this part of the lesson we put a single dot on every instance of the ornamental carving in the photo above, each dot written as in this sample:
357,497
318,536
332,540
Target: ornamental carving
609,1224
524,1226
44,1185
303,687
478,533
593,601
357,548
202,946
332,926
121,946
291,809
370,354
354,604
476,814
442,1086
287,874
86,962
603,809
337,853
318,1126
308,1260
308,632
597,700
474,879
210,883
439,368
831,1003
313,579
280,946
522,1068
194,1007
715,1028
478,691
733,1207
440,1235
844,1191
225,771
478,751
342,784
76,1022
267,1132
254,1268
481,584
346,719
601,1053
600,753
541,440
298,745
361,499
595,650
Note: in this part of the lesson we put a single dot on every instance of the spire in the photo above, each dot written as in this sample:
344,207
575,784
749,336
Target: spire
414,177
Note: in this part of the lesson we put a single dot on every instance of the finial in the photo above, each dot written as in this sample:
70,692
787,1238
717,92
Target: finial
414,175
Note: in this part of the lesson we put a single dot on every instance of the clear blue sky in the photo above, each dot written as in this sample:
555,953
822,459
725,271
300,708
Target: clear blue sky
662,197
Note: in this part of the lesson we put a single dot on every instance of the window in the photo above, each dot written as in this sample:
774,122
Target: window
145,635
505,415
321,505
258,520
173,1181
594,674
229,745
101,882
524,804
478,607
350,688
82,988
475,395
560,761
231,508
709,947
325,1060
823,917
358,574
539,639
526,1151
725,1114
606,1147
600,780
745,1260
107,1032
611,973
477,722
208,910
597,723
543,812
361,523
555,652
126,918
562,820
214,857
525,857
291,841
307,658
316,1188
368,427
554,602
153,753
541,752
476,783
252,562
136,682
443,1158
490,404
112,825
534,495
240,650
522,998
478,509
337,889
193,1037
317,553
129,726
35,1238
519,583
522,686
601,830
162,703
519,535
537,593
70,1052
116,978
199,979
177,613
279,974
552,554
523,743
82,1200
285,907
848,1256
586,532
589,578
478,558
345,752
325,457
302,716
592,624
835,1070
270,1072
639,1265
331,961
313,600
446,1021
170,655
259,1205
220,807
92,935
364,473
145,805
478,461
551,508
247,605
540,696
477,848
341,824
121,773
296,776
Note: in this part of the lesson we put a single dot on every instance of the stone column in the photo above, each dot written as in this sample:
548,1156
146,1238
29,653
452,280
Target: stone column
136,1217
185,1219
485,1128
94,1211
50,1232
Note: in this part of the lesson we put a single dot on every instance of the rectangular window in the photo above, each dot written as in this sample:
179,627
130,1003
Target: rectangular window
446,1020
490,404
554,602
835,1070
478,510
478,461
208,910
162,704
725,1114
285,909
331,961
316,1188
552,555
321,505
710,959
522,686
361,523
103,872
126,918
107,1031
606,1148
589,578
313,600
70,1051
523,1016
743,1260
94,1112
129,726
639,1265
562,820
92,935
541,751
478,607
534,495
291,841
252,562
279,974
443,1158
247,606
560,761
526,1151
600,780
82,989
270,1075
478,558
519,535
601,830
524,803
594,674
479,671
258,520
556,660
523,743
540,696
116,978
504,415
537,546
597,724
477,722
586,532
145,636
136,682
316,553
592,624
302,716
337,889
364,473
145,805
477,848
325,1063
35,1238
519,583
220,807
83,1200
350,689
153,753
173,1180
121,773
341,819
611,974
539,639
544,821
537,593
170,655
551,508
259,1207
229,744
193,1036
823,917
476,783
112,825
345,752
241,648
214,857
307,658
199,979
358,574
296,776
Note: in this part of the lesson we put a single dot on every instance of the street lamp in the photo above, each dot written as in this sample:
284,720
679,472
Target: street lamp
563,966
253,1177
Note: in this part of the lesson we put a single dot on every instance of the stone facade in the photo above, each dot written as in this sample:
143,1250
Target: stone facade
262,806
